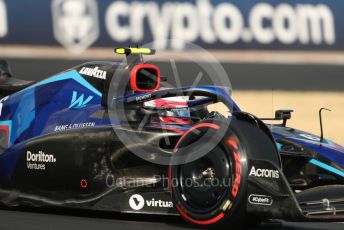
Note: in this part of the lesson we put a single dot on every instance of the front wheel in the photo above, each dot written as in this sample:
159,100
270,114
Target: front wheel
211,191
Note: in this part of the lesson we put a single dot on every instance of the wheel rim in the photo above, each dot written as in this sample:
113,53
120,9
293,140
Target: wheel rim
205,183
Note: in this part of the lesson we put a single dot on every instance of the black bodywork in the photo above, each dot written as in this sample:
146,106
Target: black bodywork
91,168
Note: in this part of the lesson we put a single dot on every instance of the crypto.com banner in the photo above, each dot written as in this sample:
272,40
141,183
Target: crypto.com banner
236,24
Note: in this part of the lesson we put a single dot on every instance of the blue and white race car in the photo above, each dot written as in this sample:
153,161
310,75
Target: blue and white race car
106,136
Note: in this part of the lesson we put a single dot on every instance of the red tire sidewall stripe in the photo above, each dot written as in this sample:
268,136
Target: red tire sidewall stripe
200,222
201,125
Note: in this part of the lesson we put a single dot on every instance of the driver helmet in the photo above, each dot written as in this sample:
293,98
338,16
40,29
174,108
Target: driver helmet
171,110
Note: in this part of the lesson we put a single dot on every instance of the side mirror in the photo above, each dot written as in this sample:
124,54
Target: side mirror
283,115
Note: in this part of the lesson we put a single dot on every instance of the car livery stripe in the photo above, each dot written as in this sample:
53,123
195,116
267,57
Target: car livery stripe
72,74
327,167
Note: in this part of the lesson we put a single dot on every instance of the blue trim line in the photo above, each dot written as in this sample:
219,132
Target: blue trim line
279,146
72,74
327,167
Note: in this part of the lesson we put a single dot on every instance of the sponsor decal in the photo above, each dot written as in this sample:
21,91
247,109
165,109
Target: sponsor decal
38,161
267,173
137,202
143,97
73,126
310,137
79,102
93,72
208,22
260,199
238,172
75,23
2,103
3,19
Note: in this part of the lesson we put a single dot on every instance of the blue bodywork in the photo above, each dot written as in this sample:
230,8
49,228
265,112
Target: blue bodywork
330,156
67,101
45,107
40,108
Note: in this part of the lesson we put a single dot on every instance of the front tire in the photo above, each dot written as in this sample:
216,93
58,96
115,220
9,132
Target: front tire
217,207
216,194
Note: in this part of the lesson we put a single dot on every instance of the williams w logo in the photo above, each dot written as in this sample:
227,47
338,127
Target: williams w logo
79,102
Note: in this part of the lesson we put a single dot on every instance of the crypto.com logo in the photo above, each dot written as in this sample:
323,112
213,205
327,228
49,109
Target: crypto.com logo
75,23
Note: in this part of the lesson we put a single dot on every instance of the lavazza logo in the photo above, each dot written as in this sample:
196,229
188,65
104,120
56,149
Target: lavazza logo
93,72
38,161
267,173
137,202
75,23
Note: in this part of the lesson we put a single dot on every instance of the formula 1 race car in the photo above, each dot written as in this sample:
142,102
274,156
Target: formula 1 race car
91,138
